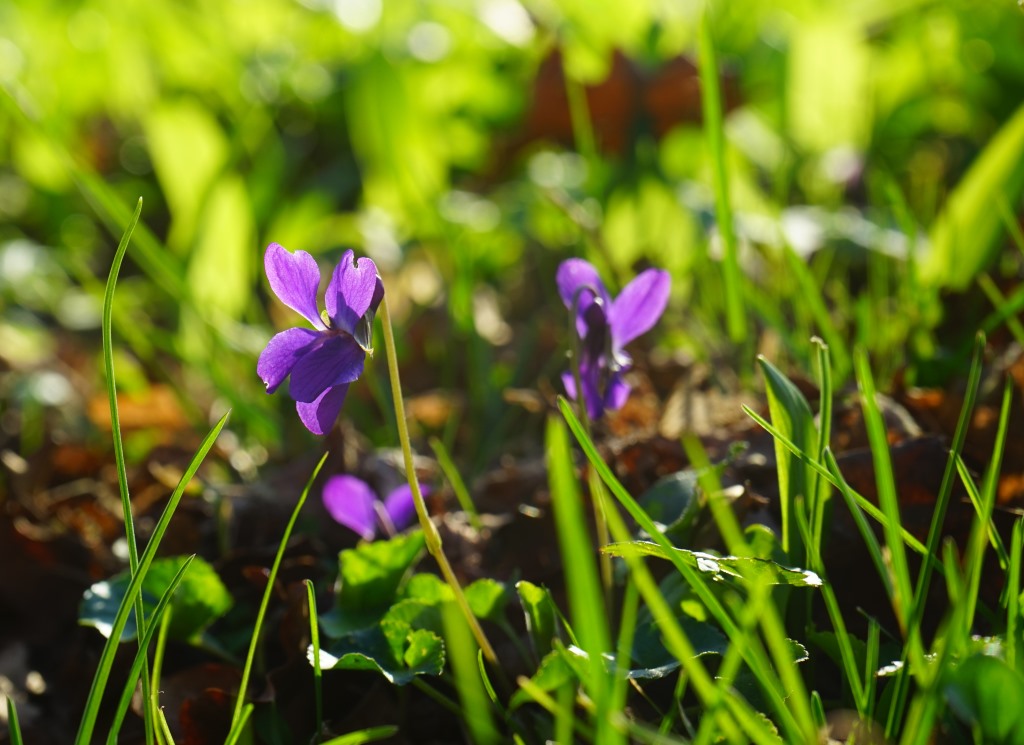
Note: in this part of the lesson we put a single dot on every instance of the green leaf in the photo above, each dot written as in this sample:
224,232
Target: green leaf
487,599
540,615
370,577
652,660
554,672
673,502
392,648
751,569
200,599
989,695
965,238
364,735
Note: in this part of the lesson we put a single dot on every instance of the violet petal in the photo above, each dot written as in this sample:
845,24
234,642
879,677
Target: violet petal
639,306
338,359
278,358
352,291
350,501
617,393
320,415
400,506
575,276
295,279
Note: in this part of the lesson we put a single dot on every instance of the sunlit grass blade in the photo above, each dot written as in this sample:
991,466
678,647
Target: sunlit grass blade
711,100
237,728
791,415
314,640
366,735
975,554
1000,303
461,653
99,683
115,428
265,602
451,473
977,501
738,713
885,482
760,609
155,623
946,487
820,497
13,726
835,478
1012,593
586,599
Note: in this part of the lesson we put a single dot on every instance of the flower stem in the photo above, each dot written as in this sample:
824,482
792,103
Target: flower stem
430,532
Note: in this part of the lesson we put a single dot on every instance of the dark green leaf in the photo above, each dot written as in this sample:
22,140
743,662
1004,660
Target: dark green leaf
989,695
540,615
200,599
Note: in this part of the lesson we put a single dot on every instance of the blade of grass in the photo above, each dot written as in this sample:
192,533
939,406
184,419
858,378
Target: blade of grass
115,428
461,652
136,669
265,602
977,501
451,473
366,735
885,482
314,640
99,682
983,523
711,100
835,478
675,638
586,599
946,486
1013,593
236,729
13,726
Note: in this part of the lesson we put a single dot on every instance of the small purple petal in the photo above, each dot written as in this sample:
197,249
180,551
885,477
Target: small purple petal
281,353
639,306
338,359
295,279
320,415
591,395
351,502
574,276
616,394
400,506
352,291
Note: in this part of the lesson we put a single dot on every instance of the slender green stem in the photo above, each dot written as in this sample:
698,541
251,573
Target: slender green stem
237,715
14,729
430,533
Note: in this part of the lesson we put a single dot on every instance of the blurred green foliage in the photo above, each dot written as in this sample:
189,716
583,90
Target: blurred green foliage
410,130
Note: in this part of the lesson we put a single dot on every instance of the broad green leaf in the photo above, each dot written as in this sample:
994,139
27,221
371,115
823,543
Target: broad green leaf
651,660
965,238
753,570
540,615
673,502
989,695
200,599
370,577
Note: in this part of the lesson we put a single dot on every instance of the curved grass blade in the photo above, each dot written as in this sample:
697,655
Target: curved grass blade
13,727
239,725
271,579
365,735
99,682
314,640
140,657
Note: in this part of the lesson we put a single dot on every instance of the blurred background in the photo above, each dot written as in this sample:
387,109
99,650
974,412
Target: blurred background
468,146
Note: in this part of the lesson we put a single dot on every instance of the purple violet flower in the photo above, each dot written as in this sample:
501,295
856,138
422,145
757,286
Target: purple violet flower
321,362
355,505
606,326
